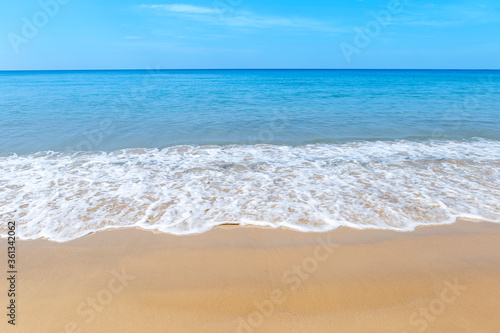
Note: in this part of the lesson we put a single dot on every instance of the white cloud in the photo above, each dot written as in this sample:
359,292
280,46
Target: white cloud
451,15
183,8
239,18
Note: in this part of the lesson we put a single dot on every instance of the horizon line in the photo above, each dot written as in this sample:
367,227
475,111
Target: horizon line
232,69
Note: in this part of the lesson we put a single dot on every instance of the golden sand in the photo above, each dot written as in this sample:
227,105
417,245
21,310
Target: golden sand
238,279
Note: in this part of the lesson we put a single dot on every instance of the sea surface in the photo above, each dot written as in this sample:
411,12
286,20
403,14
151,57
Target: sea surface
182,151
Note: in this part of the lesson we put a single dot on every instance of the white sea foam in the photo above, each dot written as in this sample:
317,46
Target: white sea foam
187,189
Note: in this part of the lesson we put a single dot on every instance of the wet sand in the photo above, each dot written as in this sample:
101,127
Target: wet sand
242,279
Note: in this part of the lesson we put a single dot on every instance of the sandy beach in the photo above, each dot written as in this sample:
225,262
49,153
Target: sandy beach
250,166
242,279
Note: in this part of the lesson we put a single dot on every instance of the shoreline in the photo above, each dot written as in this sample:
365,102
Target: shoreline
256,226
443,278
190,189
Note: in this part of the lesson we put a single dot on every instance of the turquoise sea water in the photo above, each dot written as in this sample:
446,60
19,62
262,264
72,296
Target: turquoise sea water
109,110
182,151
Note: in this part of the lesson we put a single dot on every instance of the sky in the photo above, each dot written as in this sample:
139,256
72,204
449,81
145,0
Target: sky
184,34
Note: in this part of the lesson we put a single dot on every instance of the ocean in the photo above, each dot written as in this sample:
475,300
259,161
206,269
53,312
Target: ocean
182,151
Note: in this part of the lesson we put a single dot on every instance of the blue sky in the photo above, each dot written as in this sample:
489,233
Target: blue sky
91,34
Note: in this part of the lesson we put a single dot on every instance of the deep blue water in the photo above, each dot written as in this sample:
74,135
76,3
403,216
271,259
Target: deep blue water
110,110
